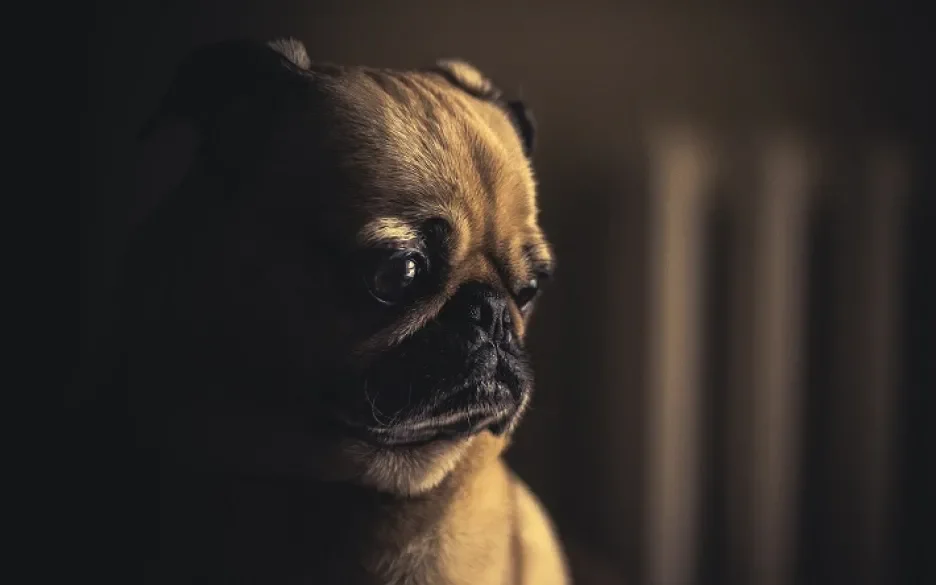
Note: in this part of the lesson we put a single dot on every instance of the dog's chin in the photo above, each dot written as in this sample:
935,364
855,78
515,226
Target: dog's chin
408,470
411,457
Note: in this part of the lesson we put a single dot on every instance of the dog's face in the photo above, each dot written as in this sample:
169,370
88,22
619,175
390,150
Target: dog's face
365,267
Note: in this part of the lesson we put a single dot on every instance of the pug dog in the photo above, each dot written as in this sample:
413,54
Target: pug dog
326,306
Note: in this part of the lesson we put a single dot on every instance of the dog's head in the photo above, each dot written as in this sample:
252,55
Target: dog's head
353,257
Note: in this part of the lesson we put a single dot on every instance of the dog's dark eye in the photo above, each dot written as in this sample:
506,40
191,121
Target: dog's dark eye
394,274
527,294
531,289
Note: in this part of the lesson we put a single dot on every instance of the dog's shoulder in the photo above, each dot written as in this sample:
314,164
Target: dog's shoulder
543,561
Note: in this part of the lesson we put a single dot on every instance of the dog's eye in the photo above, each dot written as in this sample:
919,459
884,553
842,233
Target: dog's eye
527,294
394,274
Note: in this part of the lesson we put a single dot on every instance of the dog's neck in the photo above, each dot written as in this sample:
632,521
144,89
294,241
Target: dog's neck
279,529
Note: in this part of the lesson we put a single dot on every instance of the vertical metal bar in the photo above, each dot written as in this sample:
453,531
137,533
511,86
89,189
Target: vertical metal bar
876,350
680,172
776,366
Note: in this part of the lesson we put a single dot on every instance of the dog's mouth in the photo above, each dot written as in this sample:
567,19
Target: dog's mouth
409,398
421,431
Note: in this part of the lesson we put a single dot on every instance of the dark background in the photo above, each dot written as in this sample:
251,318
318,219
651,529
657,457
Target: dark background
846,75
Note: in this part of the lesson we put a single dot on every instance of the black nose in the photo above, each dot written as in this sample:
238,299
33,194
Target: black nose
485,308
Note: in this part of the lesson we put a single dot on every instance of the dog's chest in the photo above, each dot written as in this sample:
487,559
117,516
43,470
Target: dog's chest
443,554
430,562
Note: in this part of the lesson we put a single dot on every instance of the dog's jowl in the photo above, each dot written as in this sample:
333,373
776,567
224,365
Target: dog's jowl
326,307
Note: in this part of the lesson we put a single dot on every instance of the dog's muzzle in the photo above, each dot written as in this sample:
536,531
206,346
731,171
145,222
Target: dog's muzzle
463,373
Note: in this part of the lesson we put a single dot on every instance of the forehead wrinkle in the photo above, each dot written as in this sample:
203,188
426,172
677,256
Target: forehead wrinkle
418,153
425,174
482,197
513,223
386,144
507,196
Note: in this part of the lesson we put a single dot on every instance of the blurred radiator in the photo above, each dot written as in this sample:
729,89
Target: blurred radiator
788,232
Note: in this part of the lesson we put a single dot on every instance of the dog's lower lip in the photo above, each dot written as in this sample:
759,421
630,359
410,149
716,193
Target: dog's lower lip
460,426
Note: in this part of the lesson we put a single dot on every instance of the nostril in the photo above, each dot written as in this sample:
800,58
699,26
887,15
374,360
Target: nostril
481,306
483,315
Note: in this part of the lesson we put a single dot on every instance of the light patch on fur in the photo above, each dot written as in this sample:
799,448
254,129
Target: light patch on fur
390,231
406,472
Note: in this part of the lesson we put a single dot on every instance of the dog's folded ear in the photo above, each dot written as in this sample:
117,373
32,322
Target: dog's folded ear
215,76
210,83
470,79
